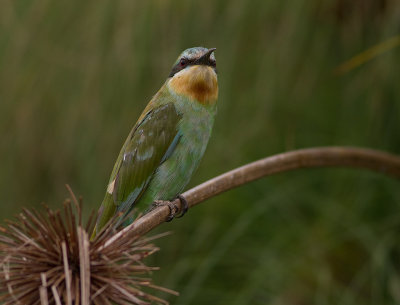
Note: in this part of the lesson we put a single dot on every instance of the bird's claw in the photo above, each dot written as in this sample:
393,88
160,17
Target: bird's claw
173,208
184,204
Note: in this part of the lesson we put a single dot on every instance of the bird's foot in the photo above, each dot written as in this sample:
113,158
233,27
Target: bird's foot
185,205
173,208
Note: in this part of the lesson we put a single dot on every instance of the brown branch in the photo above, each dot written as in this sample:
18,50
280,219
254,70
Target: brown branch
378,161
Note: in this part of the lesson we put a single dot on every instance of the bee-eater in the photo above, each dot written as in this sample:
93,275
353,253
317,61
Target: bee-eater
168,140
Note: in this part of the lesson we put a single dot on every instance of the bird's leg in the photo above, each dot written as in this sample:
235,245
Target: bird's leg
184,204
173,208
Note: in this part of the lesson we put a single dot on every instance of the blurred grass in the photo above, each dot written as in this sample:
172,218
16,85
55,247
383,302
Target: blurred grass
75,76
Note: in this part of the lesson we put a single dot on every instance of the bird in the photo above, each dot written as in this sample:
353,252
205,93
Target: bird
167,143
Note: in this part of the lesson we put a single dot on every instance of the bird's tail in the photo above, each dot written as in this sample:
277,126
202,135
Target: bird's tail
105,214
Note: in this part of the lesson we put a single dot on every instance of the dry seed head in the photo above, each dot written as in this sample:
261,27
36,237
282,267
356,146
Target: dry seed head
47,258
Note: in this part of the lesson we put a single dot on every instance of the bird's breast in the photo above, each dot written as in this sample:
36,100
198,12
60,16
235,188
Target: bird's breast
196,82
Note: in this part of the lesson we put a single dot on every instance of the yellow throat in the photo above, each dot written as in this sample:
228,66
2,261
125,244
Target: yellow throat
196,82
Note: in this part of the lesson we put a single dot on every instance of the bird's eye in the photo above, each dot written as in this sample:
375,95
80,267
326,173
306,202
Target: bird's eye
213,63
183,62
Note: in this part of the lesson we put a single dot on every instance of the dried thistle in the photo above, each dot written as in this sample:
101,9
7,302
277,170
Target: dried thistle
47,258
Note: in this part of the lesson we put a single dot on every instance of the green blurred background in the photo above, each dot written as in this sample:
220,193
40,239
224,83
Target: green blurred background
75,75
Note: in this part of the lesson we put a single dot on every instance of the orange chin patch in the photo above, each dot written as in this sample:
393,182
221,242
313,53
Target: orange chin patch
198,83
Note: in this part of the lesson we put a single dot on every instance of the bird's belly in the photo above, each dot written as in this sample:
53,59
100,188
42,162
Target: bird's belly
174,174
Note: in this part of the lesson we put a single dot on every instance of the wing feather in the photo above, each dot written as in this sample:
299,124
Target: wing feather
151,143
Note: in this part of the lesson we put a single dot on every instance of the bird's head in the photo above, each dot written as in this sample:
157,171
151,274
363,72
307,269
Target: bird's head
194,75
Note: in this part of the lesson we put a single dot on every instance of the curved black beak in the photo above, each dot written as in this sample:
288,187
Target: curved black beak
205,58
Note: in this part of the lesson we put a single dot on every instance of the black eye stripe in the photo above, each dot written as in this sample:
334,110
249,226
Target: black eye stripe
188,62
183,63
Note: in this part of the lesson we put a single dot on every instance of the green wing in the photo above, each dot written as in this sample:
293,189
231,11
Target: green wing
150,143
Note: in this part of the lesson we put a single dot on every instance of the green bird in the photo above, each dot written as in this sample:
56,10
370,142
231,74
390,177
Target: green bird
168,140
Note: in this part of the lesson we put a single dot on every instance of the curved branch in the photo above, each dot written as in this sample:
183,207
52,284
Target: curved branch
378,161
